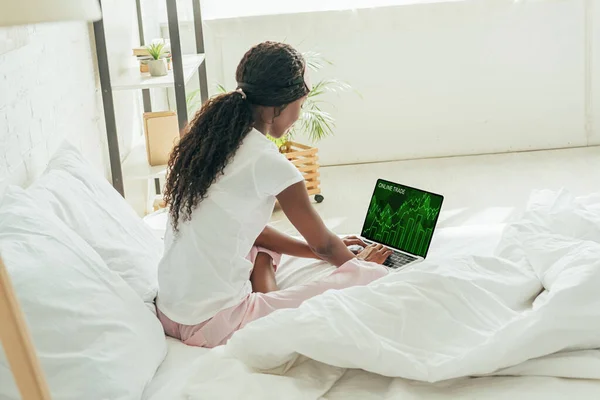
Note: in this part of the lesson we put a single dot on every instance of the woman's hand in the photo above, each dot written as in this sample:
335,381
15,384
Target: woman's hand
376,253
353,240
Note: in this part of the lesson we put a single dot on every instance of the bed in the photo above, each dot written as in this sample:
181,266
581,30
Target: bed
70,232
171,379
173,376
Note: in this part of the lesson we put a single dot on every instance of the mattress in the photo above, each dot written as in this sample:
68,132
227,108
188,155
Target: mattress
171,377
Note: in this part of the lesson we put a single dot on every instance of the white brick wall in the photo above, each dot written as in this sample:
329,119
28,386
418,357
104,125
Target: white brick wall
48,92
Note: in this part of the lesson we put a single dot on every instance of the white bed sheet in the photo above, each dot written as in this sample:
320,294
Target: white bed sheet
356,384
171,378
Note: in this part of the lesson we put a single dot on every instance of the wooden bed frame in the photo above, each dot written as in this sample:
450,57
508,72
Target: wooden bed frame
17,344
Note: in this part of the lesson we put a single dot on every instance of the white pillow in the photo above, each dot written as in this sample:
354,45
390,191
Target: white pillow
90,206
93,334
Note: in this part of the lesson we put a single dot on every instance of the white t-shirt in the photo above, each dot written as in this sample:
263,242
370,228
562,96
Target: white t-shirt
204,267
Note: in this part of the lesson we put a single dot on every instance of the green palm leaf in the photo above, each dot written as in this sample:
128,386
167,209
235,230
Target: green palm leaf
315,61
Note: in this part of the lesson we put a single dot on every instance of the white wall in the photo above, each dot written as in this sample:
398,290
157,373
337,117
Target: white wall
48,93
594,71
220,9
439,79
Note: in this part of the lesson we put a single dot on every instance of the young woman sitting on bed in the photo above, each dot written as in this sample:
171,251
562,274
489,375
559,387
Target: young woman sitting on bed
218,269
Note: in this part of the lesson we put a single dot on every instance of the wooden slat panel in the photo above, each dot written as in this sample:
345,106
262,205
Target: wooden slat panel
299,146
299,162
306,158
301,153
305,161
310,177
308,168
312,184
18,347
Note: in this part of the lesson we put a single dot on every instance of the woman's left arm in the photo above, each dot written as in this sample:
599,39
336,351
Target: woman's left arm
272,239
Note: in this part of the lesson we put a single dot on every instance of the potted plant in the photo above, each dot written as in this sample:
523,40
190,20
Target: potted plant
158,65
314,122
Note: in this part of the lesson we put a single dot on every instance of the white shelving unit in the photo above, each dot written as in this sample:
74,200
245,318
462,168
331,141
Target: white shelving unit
132,79
140,180
137,173
136,165
184,68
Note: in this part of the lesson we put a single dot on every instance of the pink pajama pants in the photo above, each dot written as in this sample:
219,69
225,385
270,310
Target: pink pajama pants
217,330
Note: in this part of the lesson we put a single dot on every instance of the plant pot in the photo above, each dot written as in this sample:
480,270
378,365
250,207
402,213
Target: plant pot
158,67
305,158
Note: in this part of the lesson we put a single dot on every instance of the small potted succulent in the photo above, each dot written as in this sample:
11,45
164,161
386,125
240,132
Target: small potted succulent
158,65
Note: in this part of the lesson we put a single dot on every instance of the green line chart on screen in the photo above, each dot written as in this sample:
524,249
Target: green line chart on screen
403,221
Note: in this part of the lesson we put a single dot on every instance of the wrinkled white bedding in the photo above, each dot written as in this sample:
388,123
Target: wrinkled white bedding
221,377
449,317
168,382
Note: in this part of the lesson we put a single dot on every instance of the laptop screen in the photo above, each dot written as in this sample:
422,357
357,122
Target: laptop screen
402,217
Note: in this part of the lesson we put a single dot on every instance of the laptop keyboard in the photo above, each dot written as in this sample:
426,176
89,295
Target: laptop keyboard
397,259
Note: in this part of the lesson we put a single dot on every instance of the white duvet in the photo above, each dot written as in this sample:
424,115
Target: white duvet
454,317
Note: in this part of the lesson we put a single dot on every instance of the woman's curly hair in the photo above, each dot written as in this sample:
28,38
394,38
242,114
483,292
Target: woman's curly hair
270,74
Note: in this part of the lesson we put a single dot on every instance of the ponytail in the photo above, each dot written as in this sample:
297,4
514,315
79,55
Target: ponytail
269,75
202,154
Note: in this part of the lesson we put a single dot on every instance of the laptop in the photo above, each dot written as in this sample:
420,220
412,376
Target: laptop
402,218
